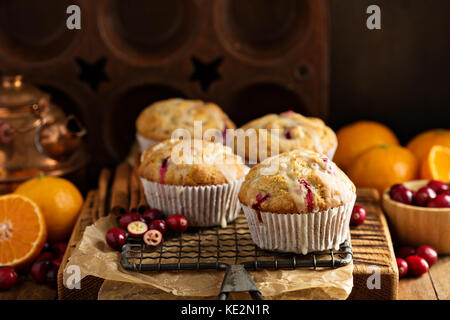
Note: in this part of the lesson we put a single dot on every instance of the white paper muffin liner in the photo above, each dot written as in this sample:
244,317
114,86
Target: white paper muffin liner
145,143
300,233
203,206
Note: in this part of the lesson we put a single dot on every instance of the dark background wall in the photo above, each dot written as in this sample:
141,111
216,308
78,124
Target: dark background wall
399,75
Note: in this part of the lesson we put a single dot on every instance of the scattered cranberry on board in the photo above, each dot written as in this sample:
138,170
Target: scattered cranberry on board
116,238
358,215
402,267
428,253
152,214
153,237
129,217
159,225
8,278
417,266
177,223
137,228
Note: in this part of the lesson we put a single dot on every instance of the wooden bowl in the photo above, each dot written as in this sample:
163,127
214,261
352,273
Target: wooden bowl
418,225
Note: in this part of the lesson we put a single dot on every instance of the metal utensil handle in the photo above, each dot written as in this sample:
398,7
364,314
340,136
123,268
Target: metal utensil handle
237,279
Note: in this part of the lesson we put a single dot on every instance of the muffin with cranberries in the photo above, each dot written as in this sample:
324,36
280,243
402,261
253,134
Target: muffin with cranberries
158,121
197,178
297,201
274,134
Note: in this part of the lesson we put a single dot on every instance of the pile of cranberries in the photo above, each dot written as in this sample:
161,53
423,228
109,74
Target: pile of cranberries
415,261
43,270
150,226
436,194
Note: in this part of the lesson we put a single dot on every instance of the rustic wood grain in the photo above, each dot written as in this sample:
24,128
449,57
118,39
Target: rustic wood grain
372,247
27,289
416,289
439,274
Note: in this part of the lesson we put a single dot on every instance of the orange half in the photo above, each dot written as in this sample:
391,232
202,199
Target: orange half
22,230
436,165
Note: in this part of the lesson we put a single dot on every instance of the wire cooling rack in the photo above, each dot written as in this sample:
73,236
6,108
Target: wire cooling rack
218,249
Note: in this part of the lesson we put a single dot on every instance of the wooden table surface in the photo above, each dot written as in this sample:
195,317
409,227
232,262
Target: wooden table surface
432,286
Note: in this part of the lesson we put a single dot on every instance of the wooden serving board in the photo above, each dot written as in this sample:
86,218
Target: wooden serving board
371,243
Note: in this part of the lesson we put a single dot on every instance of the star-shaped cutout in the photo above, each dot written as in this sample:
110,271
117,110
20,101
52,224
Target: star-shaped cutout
92,73
205,73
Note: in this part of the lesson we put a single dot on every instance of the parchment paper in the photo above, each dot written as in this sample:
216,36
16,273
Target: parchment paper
94,257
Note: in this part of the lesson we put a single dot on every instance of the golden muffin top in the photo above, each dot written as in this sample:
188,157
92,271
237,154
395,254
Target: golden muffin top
296,182
160,119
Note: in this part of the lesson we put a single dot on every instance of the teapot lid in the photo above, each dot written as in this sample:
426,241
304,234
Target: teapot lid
16,94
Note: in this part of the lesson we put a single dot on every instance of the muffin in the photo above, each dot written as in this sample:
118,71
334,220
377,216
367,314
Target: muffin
197,178
294,132
158,121
298,201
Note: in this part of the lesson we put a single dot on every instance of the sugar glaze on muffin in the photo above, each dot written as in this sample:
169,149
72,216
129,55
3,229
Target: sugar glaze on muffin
303,182
159,120
294,132
191,163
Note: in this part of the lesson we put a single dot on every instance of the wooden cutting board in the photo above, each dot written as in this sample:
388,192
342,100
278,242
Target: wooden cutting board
371,242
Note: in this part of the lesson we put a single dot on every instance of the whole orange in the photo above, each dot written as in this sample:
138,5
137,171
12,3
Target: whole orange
359,137
383,166
422,143
59,200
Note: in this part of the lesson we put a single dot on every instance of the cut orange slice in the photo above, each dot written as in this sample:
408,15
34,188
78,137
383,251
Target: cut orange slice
436,165
22,230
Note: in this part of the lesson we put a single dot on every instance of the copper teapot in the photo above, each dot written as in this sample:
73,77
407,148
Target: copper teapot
35,135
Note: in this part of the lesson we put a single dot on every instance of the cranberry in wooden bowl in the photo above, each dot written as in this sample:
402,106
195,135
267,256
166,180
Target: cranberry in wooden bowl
414,224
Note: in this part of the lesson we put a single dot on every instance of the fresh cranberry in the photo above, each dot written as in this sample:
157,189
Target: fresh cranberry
129,217
59,249
402,267
159,225
39,270
438,186
45,256
445,192
57,262
152,214
428,253
423,195
309,195
417,265
153,237
47,247
441,201
287,133
163,169
177,222
51,276
137,228
260,199
116,238
401,194
8,278
405,251
358,217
